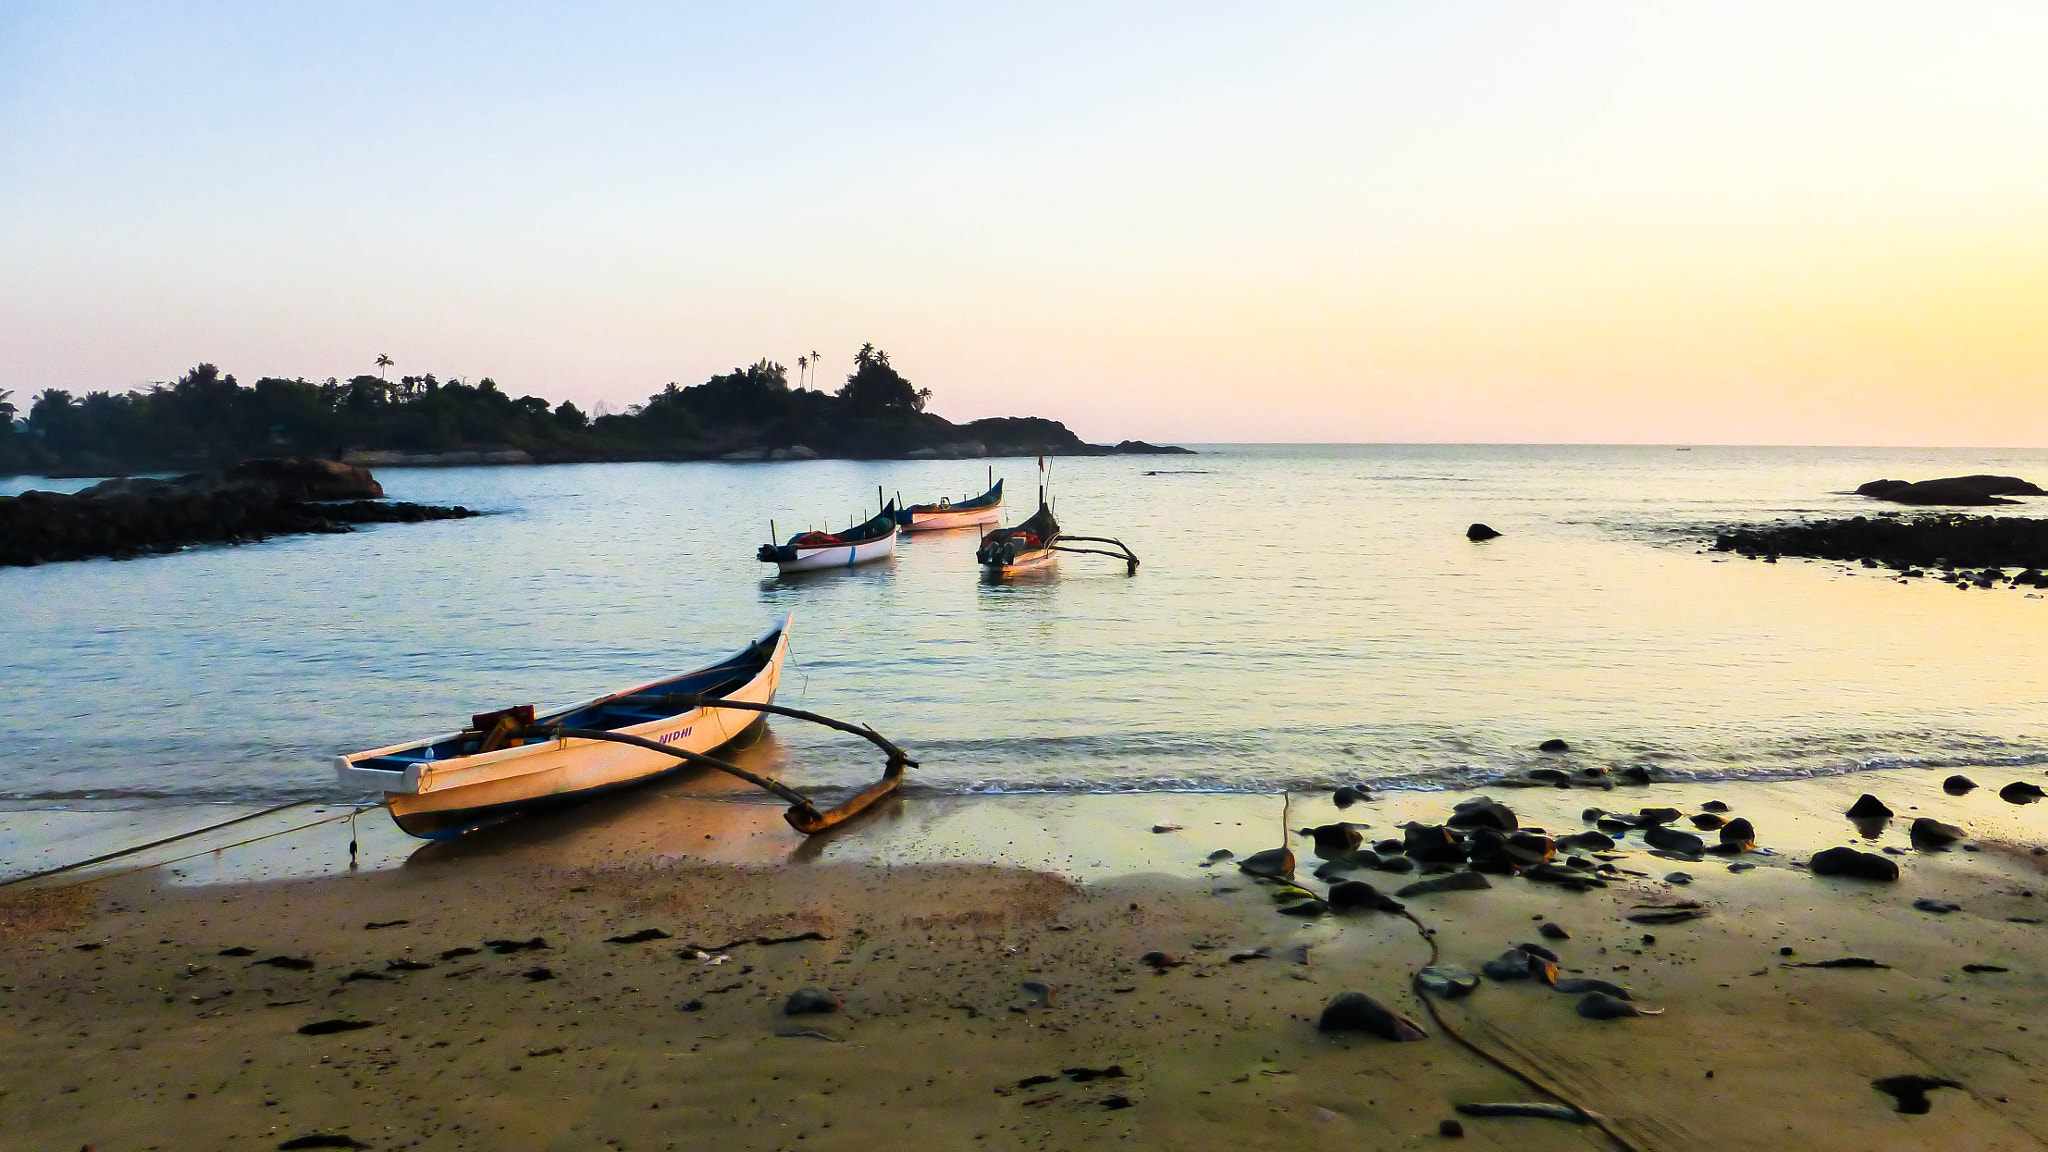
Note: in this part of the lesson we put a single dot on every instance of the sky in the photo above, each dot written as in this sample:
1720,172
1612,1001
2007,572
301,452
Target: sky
1815,223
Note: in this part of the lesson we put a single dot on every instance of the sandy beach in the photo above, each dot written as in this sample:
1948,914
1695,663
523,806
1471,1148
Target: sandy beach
986,954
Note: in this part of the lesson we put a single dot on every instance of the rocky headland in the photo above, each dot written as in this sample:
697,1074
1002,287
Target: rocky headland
251,501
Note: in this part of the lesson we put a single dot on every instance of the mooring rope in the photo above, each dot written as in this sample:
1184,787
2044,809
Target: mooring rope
351,814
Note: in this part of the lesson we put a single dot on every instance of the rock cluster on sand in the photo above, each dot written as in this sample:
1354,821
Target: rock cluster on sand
251,501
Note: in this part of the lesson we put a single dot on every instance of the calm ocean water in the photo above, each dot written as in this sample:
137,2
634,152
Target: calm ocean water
1305,615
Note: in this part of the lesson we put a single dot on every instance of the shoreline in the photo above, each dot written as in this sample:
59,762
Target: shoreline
937,913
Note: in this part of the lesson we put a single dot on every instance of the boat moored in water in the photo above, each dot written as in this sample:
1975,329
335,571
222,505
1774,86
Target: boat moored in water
815,551
986,508
1030,545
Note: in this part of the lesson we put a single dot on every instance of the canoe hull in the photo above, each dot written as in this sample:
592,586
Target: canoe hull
839,555
957,518
443,798
1025,562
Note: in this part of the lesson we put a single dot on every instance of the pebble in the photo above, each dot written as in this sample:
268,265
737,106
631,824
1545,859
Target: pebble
1447,981
1161,961
1346,796
1929,834
1450,1128
810,1000
1353,895
1939,907
1513,964
1554,931
1850,862
1713,806
1678,878
1601,1006
1707,821
1538,951
1738,832
2020,792
1553,745
1957,785
1357,1012
1868,807
1576,986
1166,828
1222,854
1674,841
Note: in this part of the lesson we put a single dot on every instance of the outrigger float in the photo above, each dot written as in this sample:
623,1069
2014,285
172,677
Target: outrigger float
510,762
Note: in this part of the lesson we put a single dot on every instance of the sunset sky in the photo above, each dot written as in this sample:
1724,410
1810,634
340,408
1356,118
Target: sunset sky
1811,223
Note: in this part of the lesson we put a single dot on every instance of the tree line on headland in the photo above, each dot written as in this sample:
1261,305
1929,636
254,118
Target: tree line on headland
208,419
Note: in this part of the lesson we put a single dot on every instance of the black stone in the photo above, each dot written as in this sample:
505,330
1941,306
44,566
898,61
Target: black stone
1480,532
1357,1012
1850,862
1553,745
1868,807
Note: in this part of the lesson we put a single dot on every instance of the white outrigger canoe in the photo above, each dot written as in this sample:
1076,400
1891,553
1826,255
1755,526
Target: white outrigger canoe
815,551
986,508
461,782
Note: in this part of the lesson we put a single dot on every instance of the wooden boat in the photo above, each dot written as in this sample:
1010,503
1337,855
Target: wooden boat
457,783
986,508
812,551
1032,544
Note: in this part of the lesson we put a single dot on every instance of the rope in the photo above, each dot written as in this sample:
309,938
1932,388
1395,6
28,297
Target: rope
101,859
1428,935
351,814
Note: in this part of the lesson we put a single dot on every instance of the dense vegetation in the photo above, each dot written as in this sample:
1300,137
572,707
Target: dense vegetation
208,419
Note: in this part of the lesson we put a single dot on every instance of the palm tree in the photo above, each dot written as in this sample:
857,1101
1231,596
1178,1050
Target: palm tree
383,361
815,361
801,363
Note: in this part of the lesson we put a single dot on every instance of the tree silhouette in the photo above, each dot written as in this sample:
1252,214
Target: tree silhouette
383,361
876,389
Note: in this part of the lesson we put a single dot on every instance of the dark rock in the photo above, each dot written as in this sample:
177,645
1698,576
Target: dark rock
236,951
1587,842
810,1000
1553,745
402,965
1649,816
1911,1091
507,947
1274,862
1901,544
1310,907
537,975
1638,774
1576,987
292,963
1850,862
1482,812
1554,931
1974,968
1707,821
1549,776
1346,796
329,1027
318,1140
1388,847
1843,962
1430,843
1334,840
1513,964
1221,854
1938,907
1713,806
1480,532
1395,864
1678,878
2020,792
1951,490
1530,848
1450,1128
1673,841
1957,785
1355,895
1451,882
1930,835
1160,961
1601,1006
1868,807
1447,981
1739,832
1538,951
640,937
1357,1012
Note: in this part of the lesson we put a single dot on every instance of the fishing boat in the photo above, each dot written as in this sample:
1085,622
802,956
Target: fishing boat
511,762
863,543
986,508
1030,545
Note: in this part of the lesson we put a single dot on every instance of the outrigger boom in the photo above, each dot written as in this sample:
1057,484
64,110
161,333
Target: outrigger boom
1123,552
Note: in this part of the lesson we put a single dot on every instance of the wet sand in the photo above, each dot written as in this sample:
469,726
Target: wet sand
129,1029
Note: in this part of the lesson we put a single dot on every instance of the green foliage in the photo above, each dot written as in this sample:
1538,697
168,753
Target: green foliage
207,418
876,389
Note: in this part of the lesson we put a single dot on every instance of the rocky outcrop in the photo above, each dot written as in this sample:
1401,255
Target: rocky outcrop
249,502
1949,541
455,458
1955,490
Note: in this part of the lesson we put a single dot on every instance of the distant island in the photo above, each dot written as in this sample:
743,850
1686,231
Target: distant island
209,420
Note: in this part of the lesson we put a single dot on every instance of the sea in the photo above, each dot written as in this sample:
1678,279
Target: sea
1304,616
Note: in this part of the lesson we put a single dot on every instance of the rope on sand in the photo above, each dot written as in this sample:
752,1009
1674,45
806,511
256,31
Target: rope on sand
104,857
1428,935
